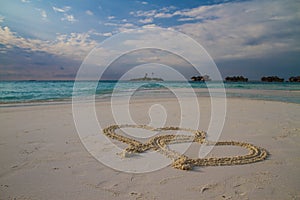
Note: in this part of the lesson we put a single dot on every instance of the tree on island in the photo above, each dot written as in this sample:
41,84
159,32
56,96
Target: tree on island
201,78
272,79
236,79
294,79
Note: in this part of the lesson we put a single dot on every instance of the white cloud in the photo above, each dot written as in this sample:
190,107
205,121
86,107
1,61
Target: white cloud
110,24
146,21
66,17
62,10
200,12
150,26
88,12
93,32
163,15
126,27
43,13
168,8
75,45
144,2
185,19
25,1
1,19
140,13
69,18
108,34
120,27
111,17
165,12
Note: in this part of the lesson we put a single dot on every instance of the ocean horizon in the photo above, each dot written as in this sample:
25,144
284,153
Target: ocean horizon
12,92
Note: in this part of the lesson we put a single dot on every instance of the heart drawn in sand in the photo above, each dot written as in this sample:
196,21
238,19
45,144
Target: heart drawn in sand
161,144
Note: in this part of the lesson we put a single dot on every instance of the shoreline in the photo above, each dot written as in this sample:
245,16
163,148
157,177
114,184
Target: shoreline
232,93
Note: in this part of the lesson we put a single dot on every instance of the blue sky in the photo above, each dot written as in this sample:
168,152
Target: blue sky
49,39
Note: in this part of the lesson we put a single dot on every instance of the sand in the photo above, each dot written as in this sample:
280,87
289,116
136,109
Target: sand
42,157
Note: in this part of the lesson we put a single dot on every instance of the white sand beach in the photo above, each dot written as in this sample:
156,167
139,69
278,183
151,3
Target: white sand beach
42,157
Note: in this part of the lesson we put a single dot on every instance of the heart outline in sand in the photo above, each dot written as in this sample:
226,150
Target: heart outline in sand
179,160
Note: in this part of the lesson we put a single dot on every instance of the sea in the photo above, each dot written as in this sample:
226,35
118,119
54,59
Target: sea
16,92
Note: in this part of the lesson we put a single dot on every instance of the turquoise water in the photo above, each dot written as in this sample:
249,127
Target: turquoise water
36,91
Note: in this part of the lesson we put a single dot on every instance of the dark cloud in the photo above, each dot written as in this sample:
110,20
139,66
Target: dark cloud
284,65
144,56
18,64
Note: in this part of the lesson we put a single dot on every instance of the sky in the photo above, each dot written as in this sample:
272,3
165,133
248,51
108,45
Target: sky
49,40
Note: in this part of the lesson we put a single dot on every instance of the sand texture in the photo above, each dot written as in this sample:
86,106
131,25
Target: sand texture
42,157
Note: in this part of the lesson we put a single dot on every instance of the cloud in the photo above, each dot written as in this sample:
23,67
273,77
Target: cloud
111,17
74,45
106,34
250,29
69,18
1,19
185,19
20,64
25,1
43,13
163,15
146,21
62,10
229,31
243,33
200,12
126,27
139,13
88,12
123,26
152,38
165,12
111,24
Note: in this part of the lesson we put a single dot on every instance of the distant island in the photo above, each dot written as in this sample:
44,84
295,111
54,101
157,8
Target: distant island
146,78
201,78
295,79
236,79
272,79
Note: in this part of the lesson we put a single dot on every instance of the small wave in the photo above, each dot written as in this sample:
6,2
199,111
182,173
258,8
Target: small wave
28,91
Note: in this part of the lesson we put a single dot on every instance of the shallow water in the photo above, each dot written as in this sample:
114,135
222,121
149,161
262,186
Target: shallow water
49,91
